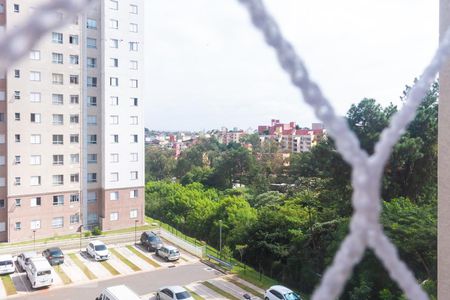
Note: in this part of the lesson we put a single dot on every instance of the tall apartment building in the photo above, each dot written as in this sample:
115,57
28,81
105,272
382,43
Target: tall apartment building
71,124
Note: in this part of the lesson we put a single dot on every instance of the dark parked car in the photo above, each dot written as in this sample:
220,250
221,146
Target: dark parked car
151,241
54,256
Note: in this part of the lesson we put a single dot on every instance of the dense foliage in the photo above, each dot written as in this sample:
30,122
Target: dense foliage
290,219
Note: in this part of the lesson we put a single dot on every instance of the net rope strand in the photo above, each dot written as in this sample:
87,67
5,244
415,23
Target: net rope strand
365,228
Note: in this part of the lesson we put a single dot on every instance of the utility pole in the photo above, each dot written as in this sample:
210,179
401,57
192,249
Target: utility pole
34,239
220,239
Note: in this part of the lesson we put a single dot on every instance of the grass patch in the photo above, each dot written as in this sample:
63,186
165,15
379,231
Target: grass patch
219,290
194,294
83,268
125,260
62,275
110,268
143,257
245,287
8,283
253,276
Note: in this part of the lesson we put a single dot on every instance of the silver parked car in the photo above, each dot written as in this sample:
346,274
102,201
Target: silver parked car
279,292
24,258
168,253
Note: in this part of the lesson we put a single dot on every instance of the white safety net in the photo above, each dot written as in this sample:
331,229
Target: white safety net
365,228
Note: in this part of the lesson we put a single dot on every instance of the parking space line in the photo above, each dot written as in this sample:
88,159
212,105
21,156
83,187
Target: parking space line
220,291
72,270
110,268
2,290
95,267
56,278
205,292
117,264
8,284
62,275
125,260
133,258
140,254
230,287
82,267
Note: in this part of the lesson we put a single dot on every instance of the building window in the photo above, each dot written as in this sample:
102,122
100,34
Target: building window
74,119
74,138
134,101
16,73
18,226
73,79
114,138
58,222
133,214
114,24
114,216
92,218
35,139
57,99
133,64
133,46
133,175
2,203
74,198
133,194
35,180
91,24
114,157
73,39
133,27
74,99
35,160
35,118
58,180
114,43
92,197
58,159
92,120
58,119
74,59
92,81
114,62
17,116
114,120
114,176
35,76
17,138
133,138
133,9
58,199
35,202
16,8
35,224
114,196
17,95
91,43
57,78
35,54
114,4
92,101
114,81
92,139
92,158
18,202
74,178
58,139
57,58
74,219
2,117
114,101
133,157
91,62
2,160
35,97
57,37
74,158
92,177
133,120
133,83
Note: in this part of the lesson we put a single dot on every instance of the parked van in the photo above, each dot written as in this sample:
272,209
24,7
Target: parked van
39,272
118,292
6,264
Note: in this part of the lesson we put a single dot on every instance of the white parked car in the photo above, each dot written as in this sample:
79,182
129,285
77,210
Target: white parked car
24,258
98,250
173,293
168,253
6,264
279,292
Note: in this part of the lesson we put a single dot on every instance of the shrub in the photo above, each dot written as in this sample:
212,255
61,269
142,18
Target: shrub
96,231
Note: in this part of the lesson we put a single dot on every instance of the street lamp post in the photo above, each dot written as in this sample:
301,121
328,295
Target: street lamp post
34,239
81,235
135,231
220,239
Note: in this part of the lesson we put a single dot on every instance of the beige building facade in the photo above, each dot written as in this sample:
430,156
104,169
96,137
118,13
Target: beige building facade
71,125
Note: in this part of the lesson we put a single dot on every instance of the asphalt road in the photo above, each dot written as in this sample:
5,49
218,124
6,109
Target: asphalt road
142,283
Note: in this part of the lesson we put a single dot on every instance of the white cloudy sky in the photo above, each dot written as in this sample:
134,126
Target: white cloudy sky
206,67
